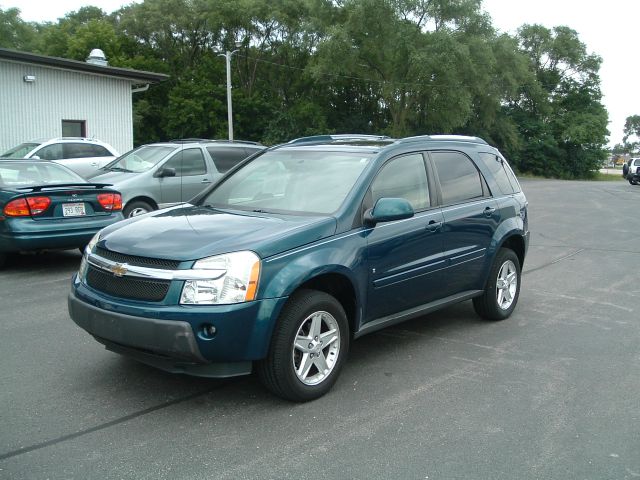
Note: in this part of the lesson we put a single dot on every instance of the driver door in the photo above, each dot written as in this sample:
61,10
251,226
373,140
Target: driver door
191,177
405,256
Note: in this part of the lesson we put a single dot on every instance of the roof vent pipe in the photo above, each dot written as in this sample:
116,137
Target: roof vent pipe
97,57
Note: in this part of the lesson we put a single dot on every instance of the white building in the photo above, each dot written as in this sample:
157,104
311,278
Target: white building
46,97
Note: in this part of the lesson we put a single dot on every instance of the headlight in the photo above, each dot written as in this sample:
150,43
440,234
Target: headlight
82,271
92,242
234,279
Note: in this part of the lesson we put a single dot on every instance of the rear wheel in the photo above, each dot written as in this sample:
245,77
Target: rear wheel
308,347
503,287
633,181
133,209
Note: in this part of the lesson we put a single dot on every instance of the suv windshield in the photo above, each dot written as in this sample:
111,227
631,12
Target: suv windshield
20,151
291,181
141,159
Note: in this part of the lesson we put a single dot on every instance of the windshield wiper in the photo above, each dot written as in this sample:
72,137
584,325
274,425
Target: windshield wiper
117,169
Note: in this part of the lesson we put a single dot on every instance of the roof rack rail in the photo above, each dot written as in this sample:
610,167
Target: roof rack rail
342,137
186,140
452,138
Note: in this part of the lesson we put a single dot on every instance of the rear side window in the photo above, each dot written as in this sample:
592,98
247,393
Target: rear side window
84,150
403,177
225,158
501,172
460,180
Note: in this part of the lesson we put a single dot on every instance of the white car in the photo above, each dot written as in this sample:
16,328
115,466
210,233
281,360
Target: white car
82,155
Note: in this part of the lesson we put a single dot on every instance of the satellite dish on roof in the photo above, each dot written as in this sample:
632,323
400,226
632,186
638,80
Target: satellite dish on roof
97,57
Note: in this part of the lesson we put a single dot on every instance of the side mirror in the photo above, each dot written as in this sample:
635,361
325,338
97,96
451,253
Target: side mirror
388,210
165,172
35,157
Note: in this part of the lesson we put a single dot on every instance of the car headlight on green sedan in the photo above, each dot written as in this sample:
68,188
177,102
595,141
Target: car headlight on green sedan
233,279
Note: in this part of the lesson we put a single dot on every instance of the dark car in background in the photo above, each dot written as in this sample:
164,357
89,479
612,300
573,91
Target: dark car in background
633,173
45,206
159,175
302,249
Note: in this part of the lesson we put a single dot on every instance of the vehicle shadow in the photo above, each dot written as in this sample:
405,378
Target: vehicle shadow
136,382
54,260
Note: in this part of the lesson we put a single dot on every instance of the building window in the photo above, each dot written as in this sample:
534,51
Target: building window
74,128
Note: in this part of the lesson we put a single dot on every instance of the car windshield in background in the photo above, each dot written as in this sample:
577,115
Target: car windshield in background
20,151
291,181
28,173
141,159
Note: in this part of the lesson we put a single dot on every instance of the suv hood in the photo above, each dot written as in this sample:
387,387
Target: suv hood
190,233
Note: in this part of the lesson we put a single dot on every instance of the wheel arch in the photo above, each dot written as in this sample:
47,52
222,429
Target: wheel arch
341,288
516,243
143,198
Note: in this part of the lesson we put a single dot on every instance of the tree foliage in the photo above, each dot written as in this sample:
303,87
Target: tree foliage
302,67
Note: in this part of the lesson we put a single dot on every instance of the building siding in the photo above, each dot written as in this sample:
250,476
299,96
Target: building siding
35,110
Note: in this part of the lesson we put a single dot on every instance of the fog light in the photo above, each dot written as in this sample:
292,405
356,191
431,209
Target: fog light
208,331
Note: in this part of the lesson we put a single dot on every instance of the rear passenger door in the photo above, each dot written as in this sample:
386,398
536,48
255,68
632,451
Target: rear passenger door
405,256
470,216
84,158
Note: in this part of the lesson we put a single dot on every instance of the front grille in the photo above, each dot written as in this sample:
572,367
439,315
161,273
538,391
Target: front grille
127,287
138,261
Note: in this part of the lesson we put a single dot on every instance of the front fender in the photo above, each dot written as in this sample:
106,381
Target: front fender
343,255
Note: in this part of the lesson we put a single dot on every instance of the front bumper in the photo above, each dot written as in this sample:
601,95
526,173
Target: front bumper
170,337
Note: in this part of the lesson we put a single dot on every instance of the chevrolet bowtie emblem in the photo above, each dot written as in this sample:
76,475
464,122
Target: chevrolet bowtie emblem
119,269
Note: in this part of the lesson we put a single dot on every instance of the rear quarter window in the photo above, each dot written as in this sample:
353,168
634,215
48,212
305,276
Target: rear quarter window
501,172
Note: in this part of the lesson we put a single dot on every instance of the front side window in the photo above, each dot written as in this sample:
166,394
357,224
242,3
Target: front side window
403,177
188,162
460,180
291,181
50,152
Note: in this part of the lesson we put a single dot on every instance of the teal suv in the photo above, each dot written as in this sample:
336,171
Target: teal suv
303,248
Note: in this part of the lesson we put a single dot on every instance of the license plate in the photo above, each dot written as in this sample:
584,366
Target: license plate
73,209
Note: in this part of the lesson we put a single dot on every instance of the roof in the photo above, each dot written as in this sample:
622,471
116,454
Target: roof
138,76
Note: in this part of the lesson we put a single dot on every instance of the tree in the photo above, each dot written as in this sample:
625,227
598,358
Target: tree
560,117
14,32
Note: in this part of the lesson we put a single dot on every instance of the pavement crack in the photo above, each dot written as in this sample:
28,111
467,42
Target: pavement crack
106,425
557,260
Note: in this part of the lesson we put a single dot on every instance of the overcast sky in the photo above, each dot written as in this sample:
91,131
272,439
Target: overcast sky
607,28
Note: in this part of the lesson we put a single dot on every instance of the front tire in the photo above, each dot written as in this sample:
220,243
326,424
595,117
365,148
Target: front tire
503,287
308,347
133,209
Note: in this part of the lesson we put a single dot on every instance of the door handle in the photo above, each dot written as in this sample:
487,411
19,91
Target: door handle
206,180
94,164
433,226
489,211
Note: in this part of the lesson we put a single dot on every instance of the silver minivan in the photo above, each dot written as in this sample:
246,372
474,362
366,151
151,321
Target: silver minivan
158,175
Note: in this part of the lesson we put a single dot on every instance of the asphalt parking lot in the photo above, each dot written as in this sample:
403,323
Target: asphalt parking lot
551,393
